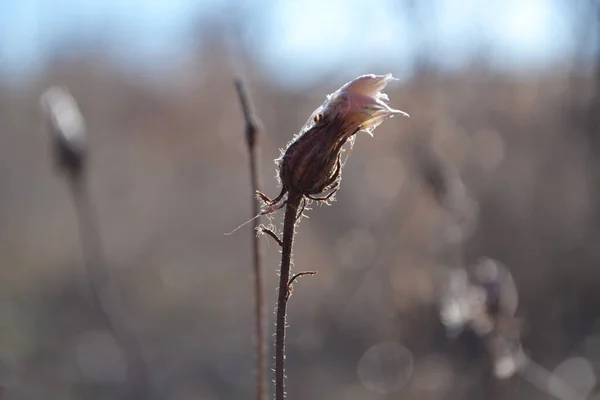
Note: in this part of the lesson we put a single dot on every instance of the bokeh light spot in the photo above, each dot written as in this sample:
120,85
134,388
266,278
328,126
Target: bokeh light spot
385,367
99,357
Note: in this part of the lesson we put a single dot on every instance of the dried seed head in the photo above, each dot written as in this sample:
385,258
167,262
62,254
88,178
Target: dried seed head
67,128
311,163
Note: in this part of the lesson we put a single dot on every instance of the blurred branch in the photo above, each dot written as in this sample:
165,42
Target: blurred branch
69,143
100,284
539,376
252,133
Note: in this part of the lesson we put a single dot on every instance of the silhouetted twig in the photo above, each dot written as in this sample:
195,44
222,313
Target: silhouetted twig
100,284
70,151
270,233
252,134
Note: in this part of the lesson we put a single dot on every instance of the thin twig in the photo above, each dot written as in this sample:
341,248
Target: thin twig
289,224
298,275
252,133
99,280
273,235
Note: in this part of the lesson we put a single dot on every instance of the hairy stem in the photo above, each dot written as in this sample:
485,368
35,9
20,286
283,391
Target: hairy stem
289,223
252,134
99,280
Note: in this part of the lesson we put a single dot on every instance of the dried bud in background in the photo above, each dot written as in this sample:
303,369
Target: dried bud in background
67,128
486,305
311,163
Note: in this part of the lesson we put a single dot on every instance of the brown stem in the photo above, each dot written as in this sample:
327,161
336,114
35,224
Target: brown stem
252,133
289,223
99,280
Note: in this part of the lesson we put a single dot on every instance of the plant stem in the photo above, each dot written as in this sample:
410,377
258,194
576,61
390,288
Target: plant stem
289,224
259,301
99,281
252,133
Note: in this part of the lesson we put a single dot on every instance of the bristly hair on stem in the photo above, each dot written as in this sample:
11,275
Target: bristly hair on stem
252,136
311,168
67,128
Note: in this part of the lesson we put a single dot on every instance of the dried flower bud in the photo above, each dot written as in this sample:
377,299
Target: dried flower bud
311,163
487,307
67,128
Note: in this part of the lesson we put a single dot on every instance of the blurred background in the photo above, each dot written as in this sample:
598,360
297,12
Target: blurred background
498,161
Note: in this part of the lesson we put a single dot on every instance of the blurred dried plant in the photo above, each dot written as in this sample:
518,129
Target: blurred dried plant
67,127
486,304
488,308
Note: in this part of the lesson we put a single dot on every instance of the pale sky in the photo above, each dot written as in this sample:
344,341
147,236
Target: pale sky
293,39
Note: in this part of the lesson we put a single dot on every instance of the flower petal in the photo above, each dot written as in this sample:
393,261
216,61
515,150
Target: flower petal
368,85
361,111
377,118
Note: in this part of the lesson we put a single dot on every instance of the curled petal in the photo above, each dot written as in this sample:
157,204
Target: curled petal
377,118
362,112
368,85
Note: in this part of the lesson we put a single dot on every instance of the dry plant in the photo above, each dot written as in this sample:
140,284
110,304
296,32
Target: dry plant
486,305
67,128
310,168
485,301
252,136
